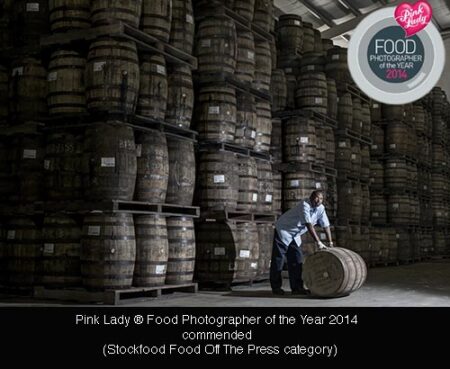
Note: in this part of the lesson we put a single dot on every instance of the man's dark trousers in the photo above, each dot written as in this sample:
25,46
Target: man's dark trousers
294,257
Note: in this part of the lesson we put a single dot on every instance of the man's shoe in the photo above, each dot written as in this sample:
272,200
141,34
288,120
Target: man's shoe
278,291
301,292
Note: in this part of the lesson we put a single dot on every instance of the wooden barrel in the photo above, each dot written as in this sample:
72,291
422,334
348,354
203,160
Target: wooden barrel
357,122
332,105
318,48
290,34
60,261
152,177
4,82
265,186
420,120
3,257
265,240
218,180
181,262
365,204
356,160
227,252
245,60
276,141
6,30
66,15
393,112
152,250
375,111
277,191
321,149
7,185
262,16
66,90
376,178
346,199
183,26
263,126
344,155
377,147
108,251
126,11
27,167
263,66
216,46
334,272
291,84
63,166
296,187
278,90
395,174
331,197
245,8
336,66
23,242
312,92
110,162
30,21
246,120
180,97
366,128
345,111
357,204
330,147
439,244
112,75
438,156
396,138
327,44
153,87
216,115
312,62
378,241
308,38
248,183
27,90
182,172
157,18
399,209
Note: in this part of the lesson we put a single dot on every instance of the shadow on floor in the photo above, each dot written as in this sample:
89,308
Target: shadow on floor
269,294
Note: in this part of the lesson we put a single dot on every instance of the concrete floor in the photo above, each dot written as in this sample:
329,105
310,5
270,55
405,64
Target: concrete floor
425,284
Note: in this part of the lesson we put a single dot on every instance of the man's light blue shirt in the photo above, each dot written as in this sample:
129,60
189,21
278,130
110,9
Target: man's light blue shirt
292,224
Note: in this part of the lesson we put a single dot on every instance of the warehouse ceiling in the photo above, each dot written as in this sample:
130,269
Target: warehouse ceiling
337,18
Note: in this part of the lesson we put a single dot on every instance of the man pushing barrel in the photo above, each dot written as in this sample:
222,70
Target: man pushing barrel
287,241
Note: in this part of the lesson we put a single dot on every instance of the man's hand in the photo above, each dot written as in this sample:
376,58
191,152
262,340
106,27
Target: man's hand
330,244
321,246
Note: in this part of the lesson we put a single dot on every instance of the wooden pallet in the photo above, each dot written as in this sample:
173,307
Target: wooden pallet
293,167
116,28
238,216
114,206
310,114
111,297
27,128
239,150
354,136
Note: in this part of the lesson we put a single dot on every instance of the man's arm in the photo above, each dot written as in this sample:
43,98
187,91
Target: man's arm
325,224
312,232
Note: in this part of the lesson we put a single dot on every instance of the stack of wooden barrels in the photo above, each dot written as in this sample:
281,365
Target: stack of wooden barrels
107,161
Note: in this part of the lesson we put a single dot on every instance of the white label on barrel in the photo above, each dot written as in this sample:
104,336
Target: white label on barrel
337,99
425,187
392,146
46,164
253,134
335,57
414,119
376,106
349,191
372,180
161,69
17,71
342,144
361,124
439,213
310,67
240,132
297,23
398,236
52,76
108,162
325,274
255,197
288,70
94,231
374,147
98,67
318,185
219,250
11,235
138,150
189,19
295,183
268,198
395,206
392,165
353,156
304,140
214,110
32,7
251,55
375,214
49,248
219,178
404,113
160,269
29,154
318,100
323,236
244,253
254,265
205,43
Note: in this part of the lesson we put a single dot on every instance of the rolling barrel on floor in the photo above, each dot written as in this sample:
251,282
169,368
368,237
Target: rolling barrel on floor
334,272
